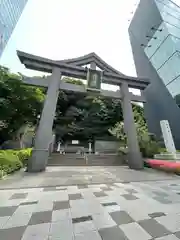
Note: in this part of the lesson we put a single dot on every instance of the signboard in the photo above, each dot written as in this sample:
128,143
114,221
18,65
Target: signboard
167,135
94,78
75,142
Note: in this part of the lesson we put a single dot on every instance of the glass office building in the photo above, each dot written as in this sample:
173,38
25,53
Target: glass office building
163,48
10,12
154,34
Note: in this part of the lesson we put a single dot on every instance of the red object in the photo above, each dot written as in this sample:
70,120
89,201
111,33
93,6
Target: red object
163,163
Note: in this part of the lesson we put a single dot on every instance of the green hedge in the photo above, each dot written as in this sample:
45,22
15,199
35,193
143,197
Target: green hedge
13,160
24,155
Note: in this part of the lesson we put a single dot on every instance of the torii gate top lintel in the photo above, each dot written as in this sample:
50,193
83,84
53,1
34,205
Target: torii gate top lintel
74,68
92,57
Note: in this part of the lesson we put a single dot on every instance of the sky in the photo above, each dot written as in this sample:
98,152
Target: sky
60,29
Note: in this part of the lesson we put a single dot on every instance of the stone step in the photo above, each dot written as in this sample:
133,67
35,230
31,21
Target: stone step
78,160
66,162
57,159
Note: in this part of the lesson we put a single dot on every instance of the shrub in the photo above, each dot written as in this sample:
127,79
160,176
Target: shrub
24,155
12,160
148,147
9,162
162,150
123,151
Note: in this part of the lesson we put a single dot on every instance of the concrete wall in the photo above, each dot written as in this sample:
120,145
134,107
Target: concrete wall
160,104
106,146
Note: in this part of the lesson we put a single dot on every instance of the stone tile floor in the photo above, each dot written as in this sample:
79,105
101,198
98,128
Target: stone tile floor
123,211
58,176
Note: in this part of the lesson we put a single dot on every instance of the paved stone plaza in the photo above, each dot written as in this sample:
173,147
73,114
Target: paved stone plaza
129,211
66,176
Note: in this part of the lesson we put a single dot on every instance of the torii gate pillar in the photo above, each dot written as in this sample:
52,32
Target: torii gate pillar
135,160
40,153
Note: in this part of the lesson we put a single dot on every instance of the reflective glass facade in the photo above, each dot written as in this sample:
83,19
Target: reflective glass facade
163,49
154,34
10,11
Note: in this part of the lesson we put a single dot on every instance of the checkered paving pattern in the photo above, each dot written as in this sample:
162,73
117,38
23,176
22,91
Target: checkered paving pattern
127,211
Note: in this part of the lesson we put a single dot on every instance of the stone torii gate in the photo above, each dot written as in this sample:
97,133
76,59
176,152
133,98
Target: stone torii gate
74,68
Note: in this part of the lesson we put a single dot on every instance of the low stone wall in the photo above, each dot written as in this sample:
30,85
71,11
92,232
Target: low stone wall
106,160
57,159
106,146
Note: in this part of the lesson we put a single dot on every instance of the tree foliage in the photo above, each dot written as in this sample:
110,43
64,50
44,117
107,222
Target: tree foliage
83,116
141,126
148,144
20,104
73,81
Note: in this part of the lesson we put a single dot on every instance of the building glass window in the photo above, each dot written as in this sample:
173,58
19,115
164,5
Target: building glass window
170,70
168,6
173,30
174,87
164,52
156,40
10,11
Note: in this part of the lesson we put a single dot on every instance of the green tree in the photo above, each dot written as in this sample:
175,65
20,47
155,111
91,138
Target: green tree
73,81
83,116
148,146
20,104
141,126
